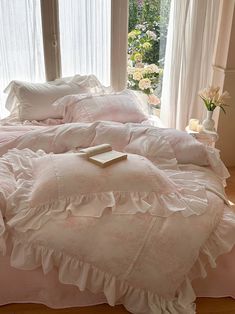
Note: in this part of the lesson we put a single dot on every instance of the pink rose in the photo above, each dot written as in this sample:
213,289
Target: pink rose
153,100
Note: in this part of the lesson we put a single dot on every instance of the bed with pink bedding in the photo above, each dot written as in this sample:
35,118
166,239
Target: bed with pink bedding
141,232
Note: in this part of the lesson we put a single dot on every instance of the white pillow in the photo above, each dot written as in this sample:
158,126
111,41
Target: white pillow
33,101
120,107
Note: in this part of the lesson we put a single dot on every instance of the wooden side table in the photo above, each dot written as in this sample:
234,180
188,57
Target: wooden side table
205,137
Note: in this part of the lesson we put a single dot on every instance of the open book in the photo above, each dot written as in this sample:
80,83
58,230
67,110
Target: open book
103,155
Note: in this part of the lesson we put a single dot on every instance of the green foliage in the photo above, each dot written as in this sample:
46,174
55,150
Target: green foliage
133,14
150,15
148,25
140,44
150,11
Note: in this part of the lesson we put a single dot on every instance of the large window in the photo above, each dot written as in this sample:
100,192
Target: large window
148,25
21,46
42,39
85,28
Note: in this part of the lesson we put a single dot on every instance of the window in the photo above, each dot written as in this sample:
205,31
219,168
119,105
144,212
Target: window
21,45
147,33
42,39
85,38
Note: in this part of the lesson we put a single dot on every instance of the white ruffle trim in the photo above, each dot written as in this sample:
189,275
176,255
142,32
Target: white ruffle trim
88,277
190,199
29,256
93,205
216,163
221,241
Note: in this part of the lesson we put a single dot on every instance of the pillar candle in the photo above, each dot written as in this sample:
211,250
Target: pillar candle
193,124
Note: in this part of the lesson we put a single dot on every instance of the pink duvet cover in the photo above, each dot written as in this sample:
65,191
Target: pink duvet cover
47,289
8,133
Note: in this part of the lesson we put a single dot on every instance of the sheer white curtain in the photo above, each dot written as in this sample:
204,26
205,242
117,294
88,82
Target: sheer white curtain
188,63
85,32
21,47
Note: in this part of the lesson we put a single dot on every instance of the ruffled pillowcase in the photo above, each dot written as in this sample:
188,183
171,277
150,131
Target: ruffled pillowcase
33,101
55,185
119,107
7,187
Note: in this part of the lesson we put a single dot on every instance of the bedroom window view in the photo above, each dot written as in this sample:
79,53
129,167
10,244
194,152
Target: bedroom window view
147,34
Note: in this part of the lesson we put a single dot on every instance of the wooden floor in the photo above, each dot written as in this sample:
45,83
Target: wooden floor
204,305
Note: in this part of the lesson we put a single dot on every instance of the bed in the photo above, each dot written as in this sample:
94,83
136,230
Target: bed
141,232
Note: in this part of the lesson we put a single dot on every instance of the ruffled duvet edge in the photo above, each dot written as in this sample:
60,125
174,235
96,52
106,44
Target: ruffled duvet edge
189,199
86,276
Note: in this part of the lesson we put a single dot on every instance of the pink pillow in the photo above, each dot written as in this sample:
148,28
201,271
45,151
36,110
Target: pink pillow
120,107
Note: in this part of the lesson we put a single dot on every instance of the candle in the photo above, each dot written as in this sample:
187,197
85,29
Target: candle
200,128
193,124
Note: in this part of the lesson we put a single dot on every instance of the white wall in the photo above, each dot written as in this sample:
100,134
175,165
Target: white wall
224,76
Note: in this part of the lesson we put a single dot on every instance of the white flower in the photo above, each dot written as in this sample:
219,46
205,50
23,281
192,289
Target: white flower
131,70
212,98
129,61
213,93
137,75
153,100
203,93
151,35
224,97
145,84
140,26
139,65
152,68
210,93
